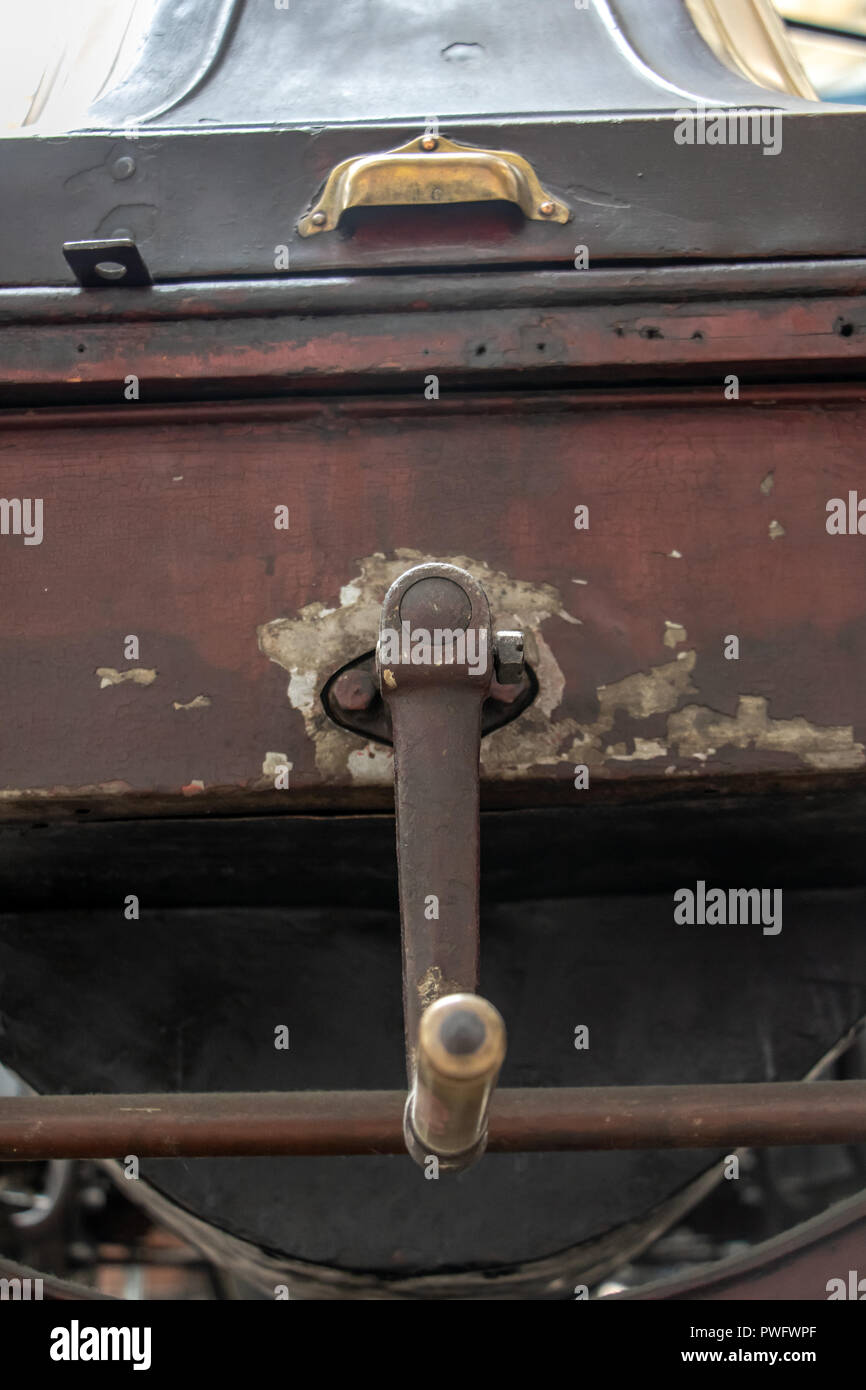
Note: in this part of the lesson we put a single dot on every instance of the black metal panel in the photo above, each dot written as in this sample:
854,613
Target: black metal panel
217,143
190,1000
212,204
371,60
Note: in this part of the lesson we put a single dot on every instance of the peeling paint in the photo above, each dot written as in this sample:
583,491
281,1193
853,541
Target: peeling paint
200,702
138,675
767,484
644,749
303,684
116,788
315,644
373,764
648,692
776,530
695,731
274,763
535,740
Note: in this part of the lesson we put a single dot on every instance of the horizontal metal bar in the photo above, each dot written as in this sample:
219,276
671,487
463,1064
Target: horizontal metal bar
327,294
217,1124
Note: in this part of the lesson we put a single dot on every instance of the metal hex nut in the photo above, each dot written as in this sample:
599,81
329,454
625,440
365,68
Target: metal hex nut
509,657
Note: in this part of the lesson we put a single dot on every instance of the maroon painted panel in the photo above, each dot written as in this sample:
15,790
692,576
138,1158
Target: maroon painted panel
707,520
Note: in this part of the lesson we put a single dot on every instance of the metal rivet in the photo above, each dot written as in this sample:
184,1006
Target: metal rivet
429,142
318,219
123,167
547,209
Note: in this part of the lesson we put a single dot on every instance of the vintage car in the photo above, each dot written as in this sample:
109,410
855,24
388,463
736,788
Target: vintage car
457,409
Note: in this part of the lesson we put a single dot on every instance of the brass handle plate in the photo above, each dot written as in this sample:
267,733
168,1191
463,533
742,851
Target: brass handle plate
427,171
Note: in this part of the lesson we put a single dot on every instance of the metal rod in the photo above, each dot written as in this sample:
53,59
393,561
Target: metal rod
323,294
219,1124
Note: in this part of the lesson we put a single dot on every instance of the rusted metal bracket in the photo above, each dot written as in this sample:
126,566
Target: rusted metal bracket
99,264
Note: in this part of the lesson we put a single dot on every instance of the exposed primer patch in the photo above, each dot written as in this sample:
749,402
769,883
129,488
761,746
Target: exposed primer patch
696,731
644,749
200,702
535,740
319,641
767,484
648,692
54,793
302,686
315,644
776,530
274,763
138,675
674,633
674,555
373,764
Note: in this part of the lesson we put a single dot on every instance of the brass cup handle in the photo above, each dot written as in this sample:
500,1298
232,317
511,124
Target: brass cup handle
431,170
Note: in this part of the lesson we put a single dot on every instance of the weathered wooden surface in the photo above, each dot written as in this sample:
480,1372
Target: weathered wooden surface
561,329
706,520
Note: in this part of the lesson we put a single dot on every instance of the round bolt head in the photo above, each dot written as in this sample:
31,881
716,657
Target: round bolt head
354,690
429,142
318,219
123,167
547,209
